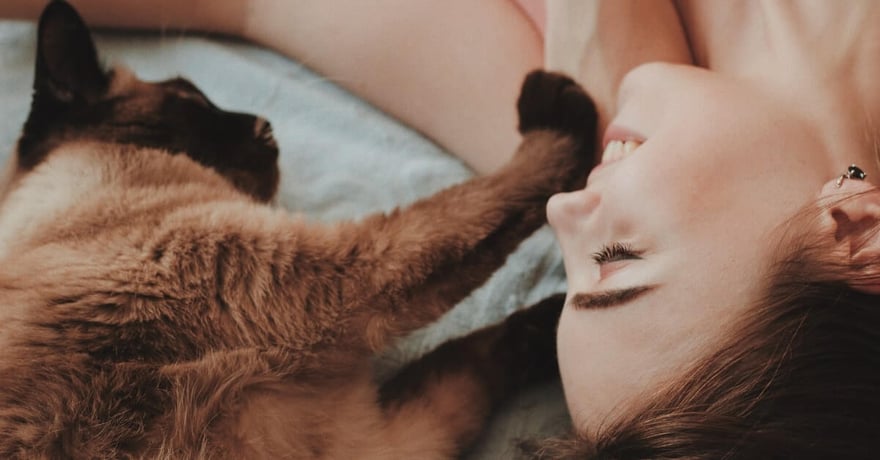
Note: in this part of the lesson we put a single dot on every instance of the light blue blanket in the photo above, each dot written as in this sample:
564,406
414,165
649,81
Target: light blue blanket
340,159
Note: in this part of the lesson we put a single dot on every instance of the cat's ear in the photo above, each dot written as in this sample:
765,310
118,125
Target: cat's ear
67,63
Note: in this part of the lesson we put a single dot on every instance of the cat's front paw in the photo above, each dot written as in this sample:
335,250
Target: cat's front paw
553,101
559,123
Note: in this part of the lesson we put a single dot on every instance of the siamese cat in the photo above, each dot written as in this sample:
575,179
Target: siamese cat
152,305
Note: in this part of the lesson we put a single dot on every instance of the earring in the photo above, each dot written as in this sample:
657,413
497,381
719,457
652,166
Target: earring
853,172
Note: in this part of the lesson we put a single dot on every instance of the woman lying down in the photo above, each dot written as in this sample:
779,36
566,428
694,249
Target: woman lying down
723,260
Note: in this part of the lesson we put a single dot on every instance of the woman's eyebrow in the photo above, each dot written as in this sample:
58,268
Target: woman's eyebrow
606,299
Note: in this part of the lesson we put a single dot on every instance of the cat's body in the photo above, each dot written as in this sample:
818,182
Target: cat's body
151,305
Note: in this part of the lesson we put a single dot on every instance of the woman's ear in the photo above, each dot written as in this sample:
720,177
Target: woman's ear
854,223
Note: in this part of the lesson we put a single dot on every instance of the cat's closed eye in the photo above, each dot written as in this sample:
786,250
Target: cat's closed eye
182,87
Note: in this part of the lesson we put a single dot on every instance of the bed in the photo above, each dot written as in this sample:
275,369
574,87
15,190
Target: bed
340,159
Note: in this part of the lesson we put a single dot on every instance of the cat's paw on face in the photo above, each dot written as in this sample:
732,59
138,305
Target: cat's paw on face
559,124
556,102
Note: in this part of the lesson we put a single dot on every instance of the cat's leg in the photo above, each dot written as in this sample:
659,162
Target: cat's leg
440,403
408,268
337,292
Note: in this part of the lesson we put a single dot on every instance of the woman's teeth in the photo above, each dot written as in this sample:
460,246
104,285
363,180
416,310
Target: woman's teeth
616,150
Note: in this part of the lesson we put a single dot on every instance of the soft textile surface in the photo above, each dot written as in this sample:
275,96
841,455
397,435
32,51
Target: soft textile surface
340,159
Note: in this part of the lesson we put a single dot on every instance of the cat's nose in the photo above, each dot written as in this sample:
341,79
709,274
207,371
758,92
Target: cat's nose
262,127
263,131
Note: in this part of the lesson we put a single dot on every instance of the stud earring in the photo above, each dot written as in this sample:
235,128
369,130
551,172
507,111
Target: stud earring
853,172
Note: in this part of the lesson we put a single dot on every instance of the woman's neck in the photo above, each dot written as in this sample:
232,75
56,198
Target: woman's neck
771,37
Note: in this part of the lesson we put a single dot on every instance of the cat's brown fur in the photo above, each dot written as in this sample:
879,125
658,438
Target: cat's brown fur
152,306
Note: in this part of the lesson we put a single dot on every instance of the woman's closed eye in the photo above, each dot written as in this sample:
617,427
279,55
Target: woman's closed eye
615,252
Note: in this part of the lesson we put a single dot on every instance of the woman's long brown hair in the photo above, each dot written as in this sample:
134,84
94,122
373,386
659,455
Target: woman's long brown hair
798,378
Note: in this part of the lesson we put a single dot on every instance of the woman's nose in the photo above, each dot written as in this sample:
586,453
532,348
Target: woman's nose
565,210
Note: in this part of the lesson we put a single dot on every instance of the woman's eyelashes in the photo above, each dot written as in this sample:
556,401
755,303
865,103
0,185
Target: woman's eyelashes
615,252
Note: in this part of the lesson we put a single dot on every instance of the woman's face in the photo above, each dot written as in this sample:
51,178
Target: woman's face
689,217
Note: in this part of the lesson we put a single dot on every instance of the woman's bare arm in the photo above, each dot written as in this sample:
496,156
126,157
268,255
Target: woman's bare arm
450,68
221,16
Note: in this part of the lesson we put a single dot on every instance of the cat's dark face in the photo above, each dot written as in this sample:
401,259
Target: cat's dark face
75,99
